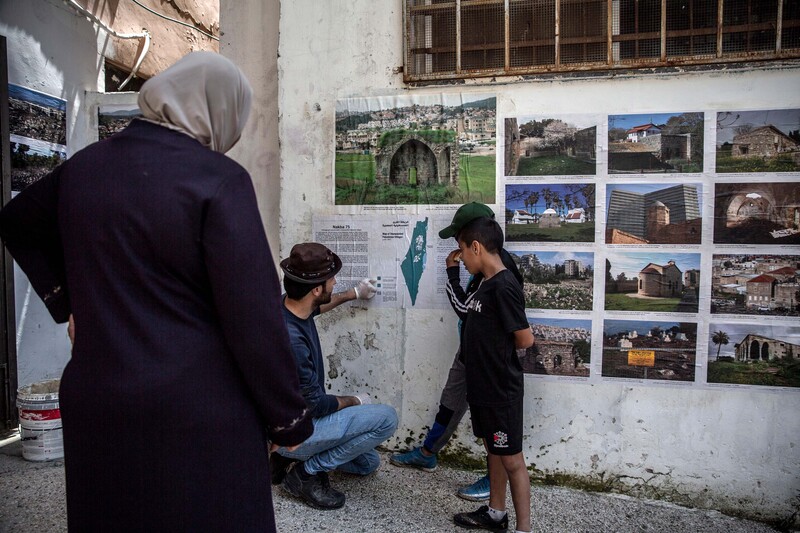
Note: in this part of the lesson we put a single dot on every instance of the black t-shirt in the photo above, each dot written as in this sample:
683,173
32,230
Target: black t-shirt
496,311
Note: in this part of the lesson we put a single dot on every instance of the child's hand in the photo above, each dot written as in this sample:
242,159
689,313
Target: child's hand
453,258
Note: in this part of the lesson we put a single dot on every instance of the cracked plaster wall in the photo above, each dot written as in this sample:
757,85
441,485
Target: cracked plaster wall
734,450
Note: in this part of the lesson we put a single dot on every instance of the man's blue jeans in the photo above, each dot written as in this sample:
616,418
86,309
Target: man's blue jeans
346,440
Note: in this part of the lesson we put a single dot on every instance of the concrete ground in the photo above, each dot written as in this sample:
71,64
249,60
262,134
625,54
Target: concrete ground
391,500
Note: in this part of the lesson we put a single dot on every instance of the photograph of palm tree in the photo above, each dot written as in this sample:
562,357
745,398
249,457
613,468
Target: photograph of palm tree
555,212
754,354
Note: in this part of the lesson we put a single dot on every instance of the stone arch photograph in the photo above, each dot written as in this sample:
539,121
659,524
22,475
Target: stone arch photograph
667,282
563,347
651,350
750,354
425,149
757,213
758,141
656,143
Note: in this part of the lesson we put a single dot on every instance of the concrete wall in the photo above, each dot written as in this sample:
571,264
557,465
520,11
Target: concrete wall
735,450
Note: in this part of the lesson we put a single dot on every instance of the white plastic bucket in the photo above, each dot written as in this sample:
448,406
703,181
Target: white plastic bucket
40,421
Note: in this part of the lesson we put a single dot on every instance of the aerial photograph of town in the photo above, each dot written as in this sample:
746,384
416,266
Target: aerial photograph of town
556,280
652,281
755,284
563,347
555,212
754,354
38,131
425,149
549,146
758,141
649,350
646,213
655,143
112,118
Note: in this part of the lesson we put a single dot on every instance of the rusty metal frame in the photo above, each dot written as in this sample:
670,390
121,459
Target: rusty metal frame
609,62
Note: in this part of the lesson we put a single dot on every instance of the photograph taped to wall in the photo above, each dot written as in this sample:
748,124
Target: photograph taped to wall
553,212
755,284
657,282
656,143
38,131
551,146
753,354
757,213
421,149
562,347
758,141
556,280
402,253
649,350
647,213
112,118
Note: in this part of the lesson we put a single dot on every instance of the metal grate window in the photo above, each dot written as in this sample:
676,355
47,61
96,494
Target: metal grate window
448,39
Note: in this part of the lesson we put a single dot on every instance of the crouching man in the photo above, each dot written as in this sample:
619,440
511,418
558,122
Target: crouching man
346,428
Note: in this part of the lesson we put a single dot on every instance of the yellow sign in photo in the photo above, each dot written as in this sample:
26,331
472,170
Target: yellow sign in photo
641,358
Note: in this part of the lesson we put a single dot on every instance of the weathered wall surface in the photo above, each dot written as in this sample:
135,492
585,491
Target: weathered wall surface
735,450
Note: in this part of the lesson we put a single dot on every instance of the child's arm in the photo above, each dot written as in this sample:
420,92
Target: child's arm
523,338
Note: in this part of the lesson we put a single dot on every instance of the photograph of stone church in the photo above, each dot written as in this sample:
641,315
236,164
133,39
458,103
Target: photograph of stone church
563,347
666,282
425,149
640,213
655,143
757,213
750,354
758,141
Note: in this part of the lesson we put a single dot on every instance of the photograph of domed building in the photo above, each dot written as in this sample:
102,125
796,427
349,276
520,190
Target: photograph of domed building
640,213
757,213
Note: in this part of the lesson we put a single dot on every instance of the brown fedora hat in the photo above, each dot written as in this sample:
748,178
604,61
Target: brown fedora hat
311,262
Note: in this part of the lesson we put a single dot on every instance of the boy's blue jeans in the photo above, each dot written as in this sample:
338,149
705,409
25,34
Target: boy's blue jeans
346,440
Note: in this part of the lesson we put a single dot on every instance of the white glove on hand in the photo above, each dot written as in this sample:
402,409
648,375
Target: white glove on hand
365,289
363,399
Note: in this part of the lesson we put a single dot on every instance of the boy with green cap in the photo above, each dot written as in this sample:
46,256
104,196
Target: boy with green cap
453,400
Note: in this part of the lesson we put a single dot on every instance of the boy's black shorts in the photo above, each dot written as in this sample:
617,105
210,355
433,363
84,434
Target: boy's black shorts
500,427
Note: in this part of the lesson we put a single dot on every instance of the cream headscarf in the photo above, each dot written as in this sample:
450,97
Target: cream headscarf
203,95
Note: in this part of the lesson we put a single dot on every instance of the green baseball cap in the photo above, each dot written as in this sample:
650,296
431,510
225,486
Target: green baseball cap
466,214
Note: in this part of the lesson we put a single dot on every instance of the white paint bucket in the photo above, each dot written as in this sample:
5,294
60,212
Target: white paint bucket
40,421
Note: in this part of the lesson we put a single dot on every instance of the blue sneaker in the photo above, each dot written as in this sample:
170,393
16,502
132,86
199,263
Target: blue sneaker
477,492
415,459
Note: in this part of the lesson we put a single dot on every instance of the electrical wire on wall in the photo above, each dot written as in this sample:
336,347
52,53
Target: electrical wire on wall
145,35
195,28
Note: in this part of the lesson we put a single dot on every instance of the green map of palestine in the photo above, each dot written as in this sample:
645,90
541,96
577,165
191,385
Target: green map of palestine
414,263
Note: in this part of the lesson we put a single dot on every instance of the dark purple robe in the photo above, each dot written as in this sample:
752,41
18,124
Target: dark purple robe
181,368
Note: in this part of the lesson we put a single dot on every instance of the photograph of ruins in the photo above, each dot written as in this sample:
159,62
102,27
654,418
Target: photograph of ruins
649,350
754,354
563,347
112,118
549,146
554,212
556,280
38,132
640,213
422,149
655,143
755,284
758,141
757,213
666,282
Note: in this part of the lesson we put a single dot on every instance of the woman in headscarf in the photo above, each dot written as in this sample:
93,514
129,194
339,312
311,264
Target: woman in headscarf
181,367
